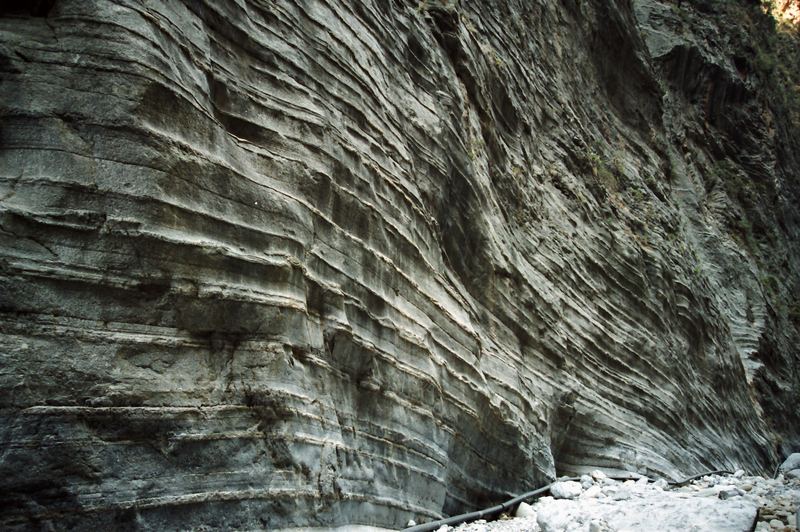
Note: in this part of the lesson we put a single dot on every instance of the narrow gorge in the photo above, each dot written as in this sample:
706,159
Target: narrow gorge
310,263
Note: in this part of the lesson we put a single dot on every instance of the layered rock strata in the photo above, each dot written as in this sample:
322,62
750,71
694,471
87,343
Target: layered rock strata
314,263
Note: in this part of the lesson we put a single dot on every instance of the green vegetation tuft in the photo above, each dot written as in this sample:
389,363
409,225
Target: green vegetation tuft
608,173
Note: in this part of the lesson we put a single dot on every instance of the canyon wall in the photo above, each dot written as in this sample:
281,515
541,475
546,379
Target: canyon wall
326,262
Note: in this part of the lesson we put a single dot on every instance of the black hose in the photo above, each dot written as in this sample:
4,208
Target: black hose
685,481
511,503
480,514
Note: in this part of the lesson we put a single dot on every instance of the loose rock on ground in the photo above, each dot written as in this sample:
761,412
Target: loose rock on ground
720,503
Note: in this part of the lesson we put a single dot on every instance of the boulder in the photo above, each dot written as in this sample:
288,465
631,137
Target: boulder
792,462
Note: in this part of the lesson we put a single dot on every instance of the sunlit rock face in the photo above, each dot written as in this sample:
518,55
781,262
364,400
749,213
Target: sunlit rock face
786,11
274,264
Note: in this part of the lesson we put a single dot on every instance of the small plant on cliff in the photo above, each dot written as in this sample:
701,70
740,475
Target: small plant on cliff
737,183
601,170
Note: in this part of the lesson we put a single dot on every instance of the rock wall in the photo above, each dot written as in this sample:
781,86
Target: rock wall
324,262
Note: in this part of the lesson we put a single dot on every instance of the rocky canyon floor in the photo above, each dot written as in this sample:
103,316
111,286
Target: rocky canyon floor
726,503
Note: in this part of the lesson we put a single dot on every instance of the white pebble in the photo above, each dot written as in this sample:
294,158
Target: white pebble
727,494
524,510
622,495
566,490
592,493
597,474
599,525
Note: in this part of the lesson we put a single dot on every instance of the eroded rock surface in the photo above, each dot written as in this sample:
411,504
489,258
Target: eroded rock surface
272,264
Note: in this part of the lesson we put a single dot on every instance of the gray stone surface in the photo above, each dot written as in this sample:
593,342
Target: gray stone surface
699,506
646,512
309,264
791,462
566,490
524,510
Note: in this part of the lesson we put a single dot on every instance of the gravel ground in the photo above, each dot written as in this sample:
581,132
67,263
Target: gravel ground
727,503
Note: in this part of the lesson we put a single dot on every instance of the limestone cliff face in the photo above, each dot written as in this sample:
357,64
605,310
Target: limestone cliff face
310,263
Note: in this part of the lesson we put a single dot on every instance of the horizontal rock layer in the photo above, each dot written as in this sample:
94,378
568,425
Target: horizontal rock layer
313,263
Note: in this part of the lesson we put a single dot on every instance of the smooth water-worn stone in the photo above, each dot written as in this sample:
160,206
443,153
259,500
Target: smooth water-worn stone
792,462
621,494
524,510
599,525
592,492
566,490
728,494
